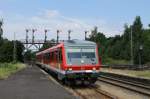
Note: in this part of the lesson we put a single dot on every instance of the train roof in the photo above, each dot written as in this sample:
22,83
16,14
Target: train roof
78,42
70,43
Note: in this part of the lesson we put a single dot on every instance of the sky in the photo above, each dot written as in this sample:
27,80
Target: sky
77,15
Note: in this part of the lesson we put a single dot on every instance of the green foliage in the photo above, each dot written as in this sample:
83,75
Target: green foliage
119,47
110,61
29,55
46,45
6,50
100,39
7,69
1,30
20,48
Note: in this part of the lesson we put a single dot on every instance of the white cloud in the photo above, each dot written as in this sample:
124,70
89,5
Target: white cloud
51,13
53,20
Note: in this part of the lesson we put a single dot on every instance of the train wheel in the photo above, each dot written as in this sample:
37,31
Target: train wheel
68,82
93,80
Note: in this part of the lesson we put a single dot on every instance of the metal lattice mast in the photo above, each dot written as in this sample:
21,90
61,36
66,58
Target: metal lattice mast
86,35
69,32
45,39
58,31
27,37
1,30
33,31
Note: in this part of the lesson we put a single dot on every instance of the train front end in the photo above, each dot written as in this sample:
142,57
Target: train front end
82,62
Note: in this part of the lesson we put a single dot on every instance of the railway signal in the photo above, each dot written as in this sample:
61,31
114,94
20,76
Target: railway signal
1,30
86,34
69,32
27,37
33,31
58,31
46,30
140,55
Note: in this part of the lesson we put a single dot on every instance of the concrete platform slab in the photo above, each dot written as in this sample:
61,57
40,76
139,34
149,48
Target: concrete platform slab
31,83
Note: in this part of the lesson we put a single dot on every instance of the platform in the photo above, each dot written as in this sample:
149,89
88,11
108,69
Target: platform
32,83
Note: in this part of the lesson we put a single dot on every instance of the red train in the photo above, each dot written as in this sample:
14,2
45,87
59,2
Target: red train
73,61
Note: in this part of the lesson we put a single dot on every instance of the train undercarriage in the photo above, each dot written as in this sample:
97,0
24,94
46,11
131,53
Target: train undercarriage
72,78
80,78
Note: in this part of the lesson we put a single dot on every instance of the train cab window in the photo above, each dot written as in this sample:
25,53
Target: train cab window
80,56
88,53
74,55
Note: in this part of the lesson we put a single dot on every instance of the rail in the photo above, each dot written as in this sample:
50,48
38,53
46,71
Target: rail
93,92
87,92
127,66
135,84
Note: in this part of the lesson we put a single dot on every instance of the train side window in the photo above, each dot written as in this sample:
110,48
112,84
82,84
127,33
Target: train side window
44,56
57,55
48,56
60,55
52,56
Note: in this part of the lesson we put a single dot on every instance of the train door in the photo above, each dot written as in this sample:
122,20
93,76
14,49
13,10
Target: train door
59,58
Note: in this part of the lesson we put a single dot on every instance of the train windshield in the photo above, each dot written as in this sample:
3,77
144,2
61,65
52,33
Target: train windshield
81,56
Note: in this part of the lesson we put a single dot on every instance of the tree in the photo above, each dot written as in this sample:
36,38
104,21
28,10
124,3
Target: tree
146,46
47,45
29,56
119,47
100,39
1,30
149,25
6,51
137,30
20,49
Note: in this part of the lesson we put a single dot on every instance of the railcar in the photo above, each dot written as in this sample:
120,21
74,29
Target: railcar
73,61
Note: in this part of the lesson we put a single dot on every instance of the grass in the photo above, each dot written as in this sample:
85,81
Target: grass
113,61
144,73
6,69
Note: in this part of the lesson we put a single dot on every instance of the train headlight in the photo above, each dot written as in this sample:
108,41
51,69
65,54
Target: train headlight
70,69
94,68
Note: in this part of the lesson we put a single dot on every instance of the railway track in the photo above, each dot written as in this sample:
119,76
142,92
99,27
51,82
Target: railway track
129,67
86,92
93,92
130,84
